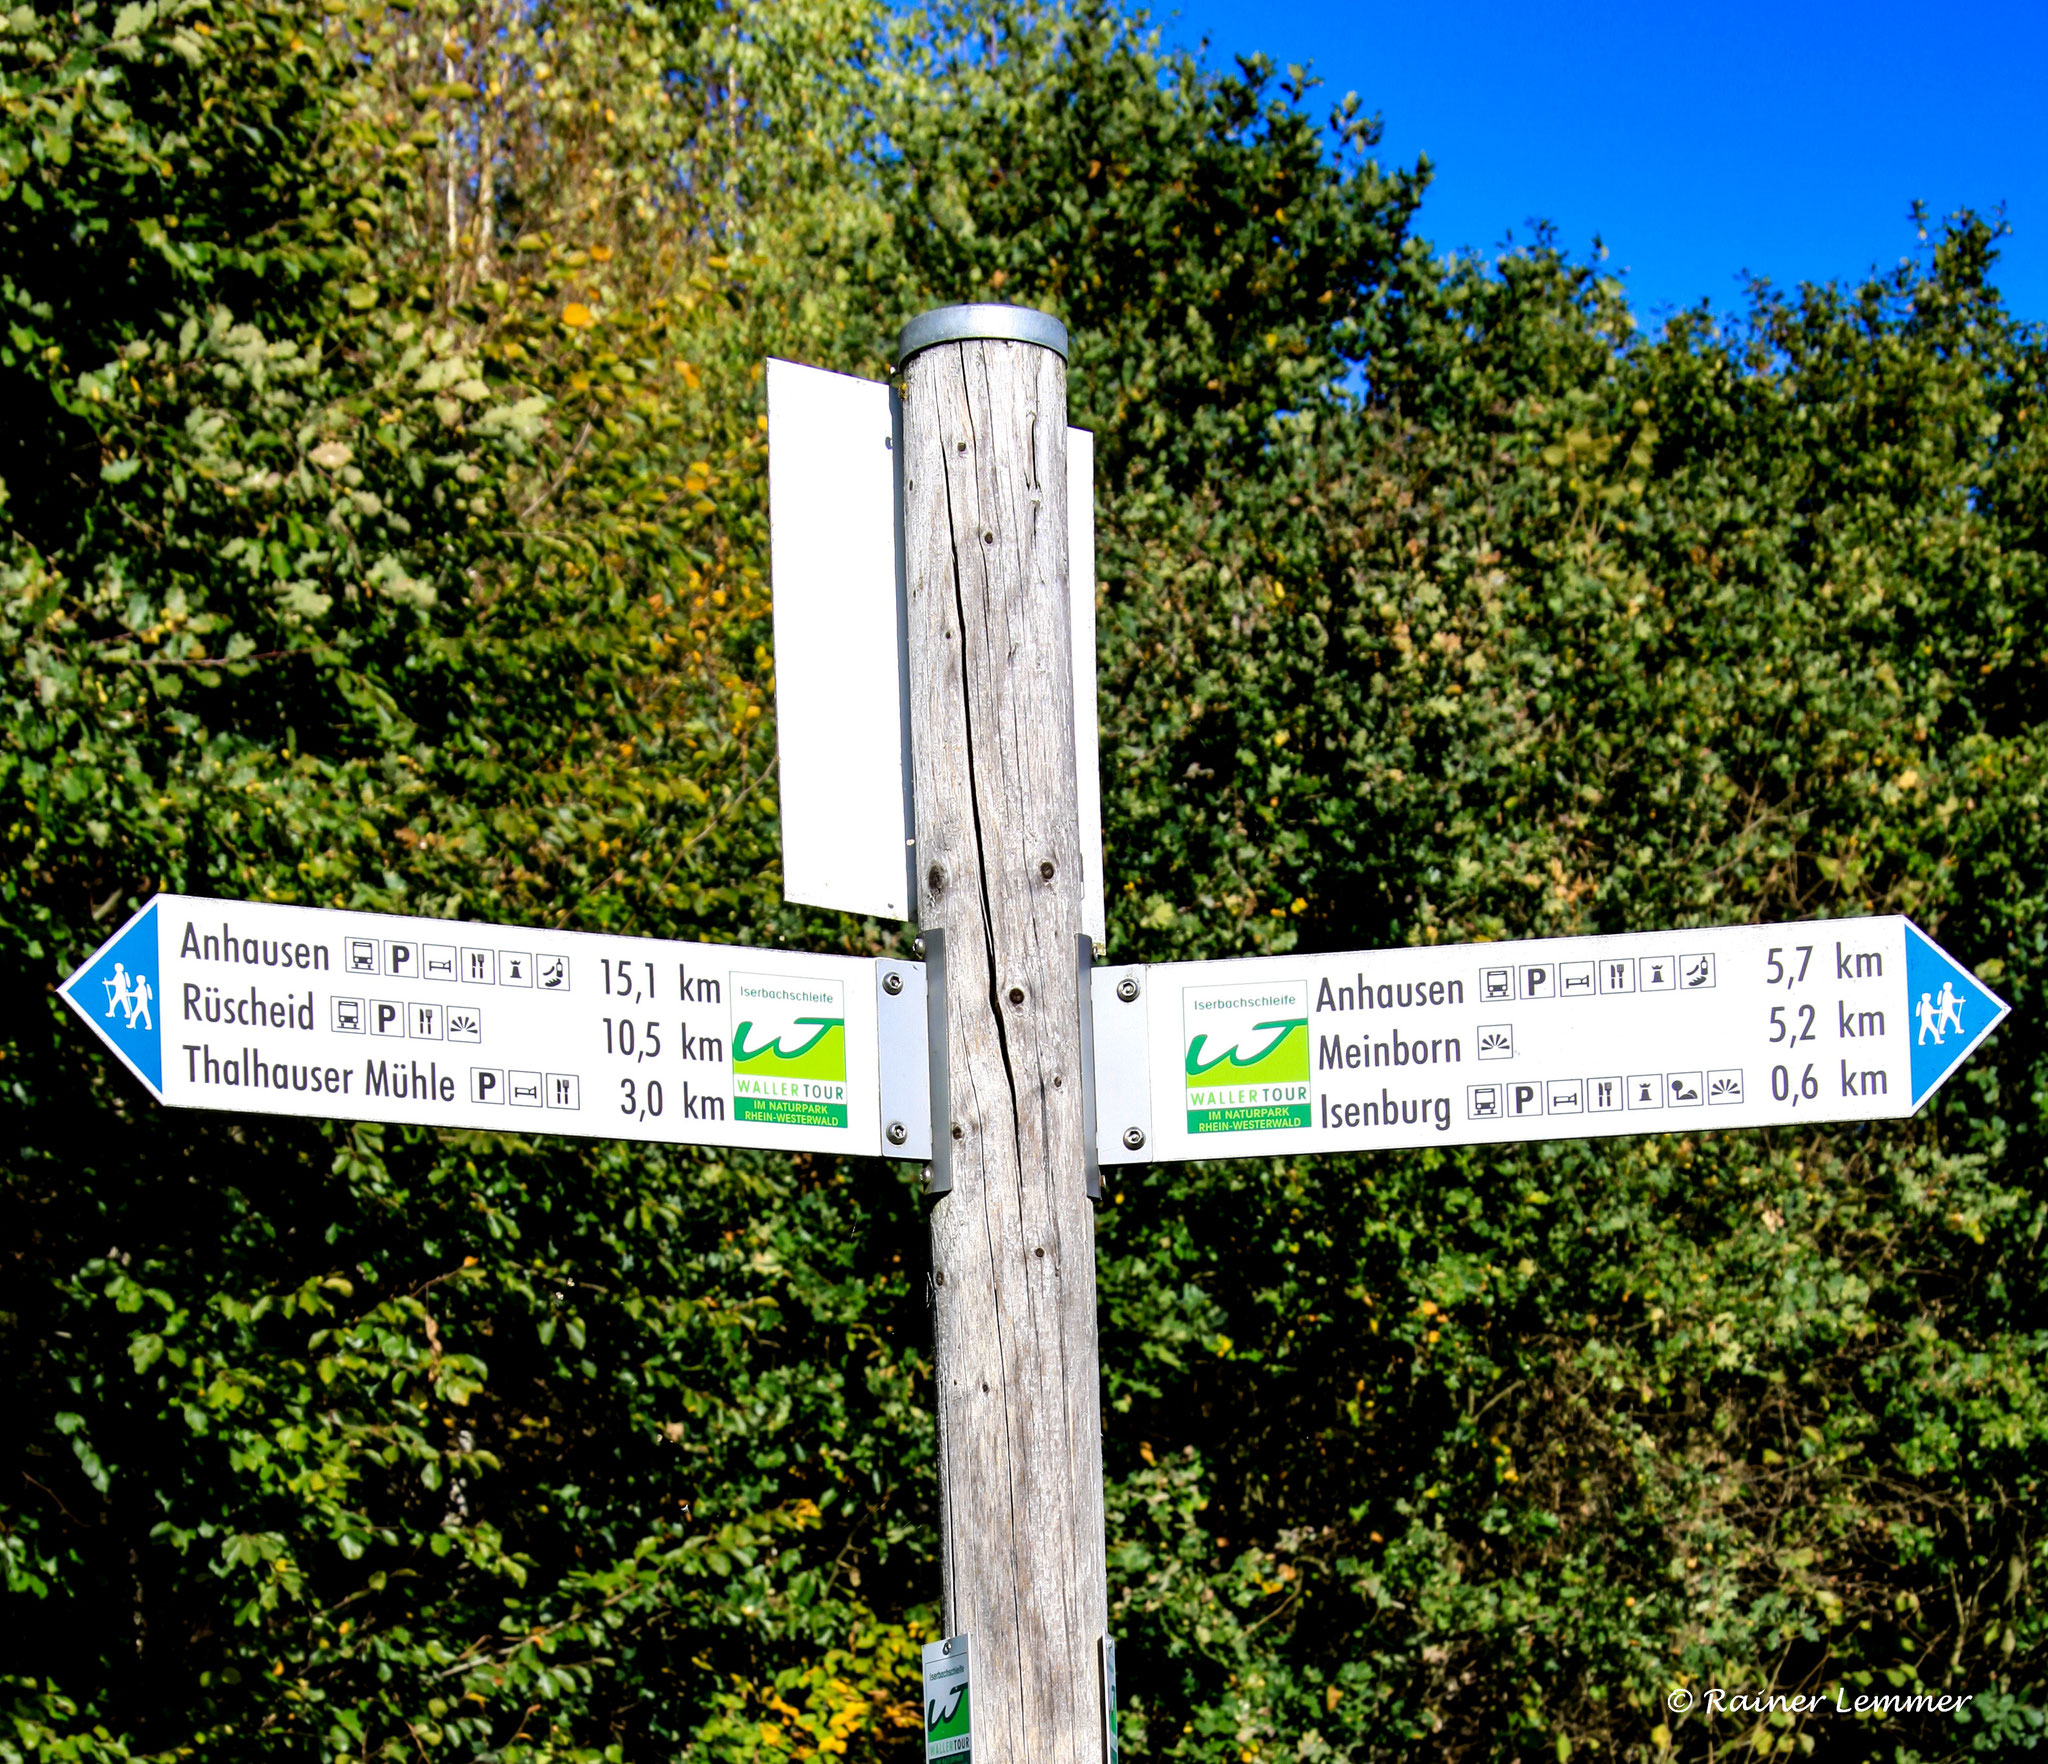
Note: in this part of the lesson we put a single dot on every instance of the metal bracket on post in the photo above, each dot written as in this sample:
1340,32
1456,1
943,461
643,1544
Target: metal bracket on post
938,1176
902,1029
1084,963
1122,1075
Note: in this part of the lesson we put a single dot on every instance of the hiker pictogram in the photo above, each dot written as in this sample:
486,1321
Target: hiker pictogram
1939,1015
131,995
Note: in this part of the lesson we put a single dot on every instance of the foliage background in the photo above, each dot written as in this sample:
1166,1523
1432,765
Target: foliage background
383,511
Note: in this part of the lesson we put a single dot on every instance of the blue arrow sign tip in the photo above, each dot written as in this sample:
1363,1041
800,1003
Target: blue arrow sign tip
1948,1012
117,992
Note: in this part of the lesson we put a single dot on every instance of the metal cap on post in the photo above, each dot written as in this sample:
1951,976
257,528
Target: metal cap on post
981,321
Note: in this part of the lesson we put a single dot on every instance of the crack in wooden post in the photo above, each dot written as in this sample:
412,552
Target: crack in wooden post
988,945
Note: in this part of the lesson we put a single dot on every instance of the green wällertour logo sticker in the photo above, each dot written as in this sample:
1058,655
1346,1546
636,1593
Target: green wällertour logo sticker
948,1711
788,1051
1247,1057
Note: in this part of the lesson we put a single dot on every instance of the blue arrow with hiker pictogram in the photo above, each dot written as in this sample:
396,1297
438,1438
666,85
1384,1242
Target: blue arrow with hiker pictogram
1948,1012
120,994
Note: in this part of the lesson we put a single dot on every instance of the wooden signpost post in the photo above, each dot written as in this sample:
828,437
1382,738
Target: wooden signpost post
998,874
934,626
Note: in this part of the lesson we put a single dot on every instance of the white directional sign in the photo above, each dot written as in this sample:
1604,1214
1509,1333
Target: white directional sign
1568,1038
356,1016
301,1011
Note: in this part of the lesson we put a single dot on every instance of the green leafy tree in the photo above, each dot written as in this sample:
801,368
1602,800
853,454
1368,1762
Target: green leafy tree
417,567
1569,630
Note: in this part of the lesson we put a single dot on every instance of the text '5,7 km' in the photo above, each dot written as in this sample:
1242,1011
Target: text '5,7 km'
304,1011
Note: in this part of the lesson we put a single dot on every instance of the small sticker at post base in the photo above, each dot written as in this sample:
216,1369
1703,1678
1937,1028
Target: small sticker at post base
947,1704
1112,1750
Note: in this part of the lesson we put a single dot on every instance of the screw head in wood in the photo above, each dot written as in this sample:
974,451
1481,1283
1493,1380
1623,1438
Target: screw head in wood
892,984
1127,988
1016,995
1045,869
898,1133
1134,1139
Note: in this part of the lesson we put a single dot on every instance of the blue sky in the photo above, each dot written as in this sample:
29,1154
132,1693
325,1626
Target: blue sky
1698,142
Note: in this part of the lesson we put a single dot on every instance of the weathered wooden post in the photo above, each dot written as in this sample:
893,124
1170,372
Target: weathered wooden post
999,876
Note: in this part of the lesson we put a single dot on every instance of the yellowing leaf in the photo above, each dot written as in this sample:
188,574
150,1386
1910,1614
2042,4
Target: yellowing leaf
577,316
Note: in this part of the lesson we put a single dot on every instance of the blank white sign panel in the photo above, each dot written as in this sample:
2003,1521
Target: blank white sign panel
841,731
841,668
1081,613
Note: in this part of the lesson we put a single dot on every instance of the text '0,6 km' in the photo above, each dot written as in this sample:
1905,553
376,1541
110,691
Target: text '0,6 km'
1568,1038
303,1011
